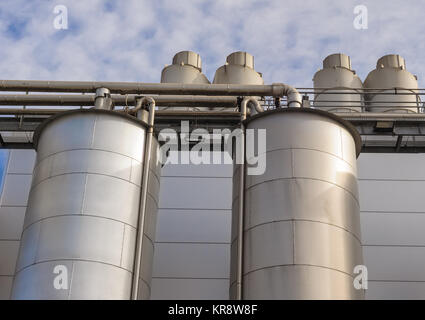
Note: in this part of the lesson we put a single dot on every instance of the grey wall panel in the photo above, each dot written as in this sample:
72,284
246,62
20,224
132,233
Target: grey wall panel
194,260
9,254
196,193
393,229
21,161
178,226
392,196
395,290
389,263
393,221
11,222
19,166
16,189
194,289
201,170
5,287
391,166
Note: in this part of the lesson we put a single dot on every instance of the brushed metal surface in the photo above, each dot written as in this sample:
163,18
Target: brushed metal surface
83,208
302,234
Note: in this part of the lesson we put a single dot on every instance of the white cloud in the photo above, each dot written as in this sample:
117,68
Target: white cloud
132,40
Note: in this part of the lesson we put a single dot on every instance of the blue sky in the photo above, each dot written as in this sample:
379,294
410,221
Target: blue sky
132,40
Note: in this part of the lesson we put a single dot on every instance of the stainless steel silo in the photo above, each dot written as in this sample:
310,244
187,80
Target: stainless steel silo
337,76
83,208
301,217
394,88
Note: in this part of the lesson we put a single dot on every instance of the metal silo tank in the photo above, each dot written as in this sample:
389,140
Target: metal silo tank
83,208
391,81
301,218
336,75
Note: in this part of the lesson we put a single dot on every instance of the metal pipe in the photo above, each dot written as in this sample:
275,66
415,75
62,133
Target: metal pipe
118,100
294,97
276,89
239,269
373,116
103,99
143,199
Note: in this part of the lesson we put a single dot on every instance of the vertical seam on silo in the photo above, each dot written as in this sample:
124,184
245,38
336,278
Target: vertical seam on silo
131,169
342,144
72,278
38,242
87,174
122,244
292,163
293,242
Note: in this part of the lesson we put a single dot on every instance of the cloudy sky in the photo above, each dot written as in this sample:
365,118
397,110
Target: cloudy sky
132,40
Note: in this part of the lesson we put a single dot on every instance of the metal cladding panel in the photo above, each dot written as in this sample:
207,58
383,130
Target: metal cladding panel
303,199
11,222
84,206
106,281
79,237
270,245
299,282
8,254
148,249
305,130
183,289
303,211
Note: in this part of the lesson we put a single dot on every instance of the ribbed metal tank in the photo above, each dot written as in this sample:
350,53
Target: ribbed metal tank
301,217
393,79
83,208
335,75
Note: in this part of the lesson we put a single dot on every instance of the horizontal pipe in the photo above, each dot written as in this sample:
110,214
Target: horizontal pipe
276,90
374,116
163,113
118,100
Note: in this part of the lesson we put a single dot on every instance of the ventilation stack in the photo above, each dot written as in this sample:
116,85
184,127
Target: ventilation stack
337,76
301,217
81,223
394,88
186,68
239,69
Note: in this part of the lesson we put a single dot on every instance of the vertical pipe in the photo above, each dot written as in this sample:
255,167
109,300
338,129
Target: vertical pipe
143,199
103,99
239,270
